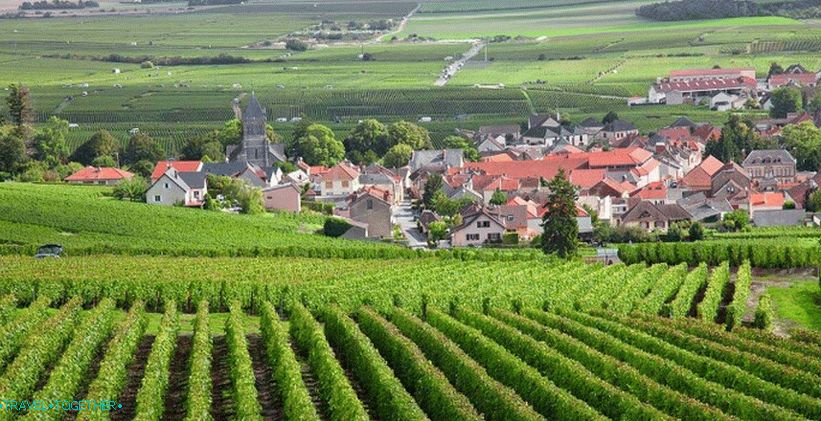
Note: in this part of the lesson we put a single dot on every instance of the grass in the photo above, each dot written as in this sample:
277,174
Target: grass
799,303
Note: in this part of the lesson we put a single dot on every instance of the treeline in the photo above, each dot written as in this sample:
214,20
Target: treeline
212,2
157,61
718,9
760,253
57,5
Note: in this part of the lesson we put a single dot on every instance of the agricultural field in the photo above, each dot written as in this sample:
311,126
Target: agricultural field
413,339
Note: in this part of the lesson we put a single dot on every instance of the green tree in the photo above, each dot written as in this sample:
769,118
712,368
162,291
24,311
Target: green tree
498,198
449,207
437,230
143,167
737,220
141,147
696,231
50,143
20,106
674,233
561,231
206,147
250,200
104,161
775,69
366,137
736,136
804,141
319,146
397,156
459,142
12,151
101,143
230,133
814,106
610,117
132,189
433,184
785,100
403,132
813,201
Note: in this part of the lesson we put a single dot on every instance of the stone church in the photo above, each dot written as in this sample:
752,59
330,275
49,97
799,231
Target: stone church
255,148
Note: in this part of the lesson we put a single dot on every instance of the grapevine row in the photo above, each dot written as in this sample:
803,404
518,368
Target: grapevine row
151,396
198,403
243,382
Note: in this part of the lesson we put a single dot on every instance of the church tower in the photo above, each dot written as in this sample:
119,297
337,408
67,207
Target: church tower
254,141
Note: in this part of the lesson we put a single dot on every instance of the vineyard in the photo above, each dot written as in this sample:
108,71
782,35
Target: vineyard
424,339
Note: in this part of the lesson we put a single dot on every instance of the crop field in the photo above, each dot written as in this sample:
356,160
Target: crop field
411,339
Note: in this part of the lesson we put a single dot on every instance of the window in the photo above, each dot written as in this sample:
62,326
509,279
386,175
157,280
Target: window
196,194
472,237
494,237
345,183
157,198
369,204
483,224
329,184
166,185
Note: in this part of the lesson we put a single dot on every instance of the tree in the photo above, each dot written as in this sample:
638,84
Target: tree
403,132
104,161
449,207
459,142
788,204
498,198
19,103
437,230
737,136
12,151
696,231
775,69
785,100
674,233
804,141
397,156
433,184
250,200
132,189
319,146
736,220
141,147
142,167
813,201
50,143
101,143
367,136
295,44
610,117
230,133
203,148
561,230
814,106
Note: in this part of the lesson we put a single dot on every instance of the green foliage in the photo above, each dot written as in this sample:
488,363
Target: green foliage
716,290
385,392
142,147
785,100
510,238
198,401
696,231
405,133
498,198
151,396
250,200
813,201
737,220
24,322
132,189
287,371
12,151
433,185
737,307
104,161
459,142
335,227
241,371
367,136
763,253
19,105
449,207
50,142
764,313
561,231
296,44
437,230
610,117
736,136
101,143
397,156
804,141
686,296
318,146
207,148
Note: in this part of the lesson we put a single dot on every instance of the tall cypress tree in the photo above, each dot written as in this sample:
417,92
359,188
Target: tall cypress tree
561,230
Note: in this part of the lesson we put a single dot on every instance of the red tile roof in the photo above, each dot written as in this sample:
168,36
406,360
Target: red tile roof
709,72
767,199
180,166
674,133
803,79
707,132
711,165
499,157
99,174
653,191
545,168
340,171
586,179
580,211
706,85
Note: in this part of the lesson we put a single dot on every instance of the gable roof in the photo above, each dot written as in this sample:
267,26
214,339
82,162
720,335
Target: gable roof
194,180
587,178
802,79
619,126
341,171
706,85
683,121
91,173
183,166
591,122
254,110
710,72
768,156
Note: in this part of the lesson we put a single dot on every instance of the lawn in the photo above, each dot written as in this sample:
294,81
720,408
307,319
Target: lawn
799,303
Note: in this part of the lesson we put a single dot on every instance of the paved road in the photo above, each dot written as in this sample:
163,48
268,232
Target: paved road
404,216
454,67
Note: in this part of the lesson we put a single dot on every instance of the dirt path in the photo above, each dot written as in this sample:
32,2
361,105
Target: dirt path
222,407
310,383
178,380
399,28
266,386
132,385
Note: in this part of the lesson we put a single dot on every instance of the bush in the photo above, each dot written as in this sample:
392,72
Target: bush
296,44
335,227
764,313
326,208
132,189
147,65
510,238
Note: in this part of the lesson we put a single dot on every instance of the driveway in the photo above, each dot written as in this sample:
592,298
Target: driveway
404,216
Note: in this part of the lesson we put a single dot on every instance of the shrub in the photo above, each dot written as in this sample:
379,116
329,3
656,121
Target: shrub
296,44
764,313
335,227
510,238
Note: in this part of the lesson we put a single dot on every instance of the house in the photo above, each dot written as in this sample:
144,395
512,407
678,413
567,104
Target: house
700,178
677,93
286,197
181,166
723,101
800,79
175,187
426,218
590,127
770,163
383,178
503,134
617,129
705,209
730,181
374,207
766,201
689,75
491,145
655,192
544,130
98,175
437,160
255,147
478,227
650,216
340,180
250,173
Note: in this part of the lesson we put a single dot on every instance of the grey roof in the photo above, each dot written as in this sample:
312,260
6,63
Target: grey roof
781,217
768,156
254,111
195,180
591,122
683,122
377,178
229,169
447,158
540,119
619,126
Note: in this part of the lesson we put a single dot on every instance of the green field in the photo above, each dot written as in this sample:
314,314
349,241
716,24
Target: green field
798,304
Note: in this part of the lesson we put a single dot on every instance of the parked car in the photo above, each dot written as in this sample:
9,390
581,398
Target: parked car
49,251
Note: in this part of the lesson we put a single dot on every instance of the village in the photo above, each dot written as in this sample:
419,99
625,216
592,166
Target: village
624,179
